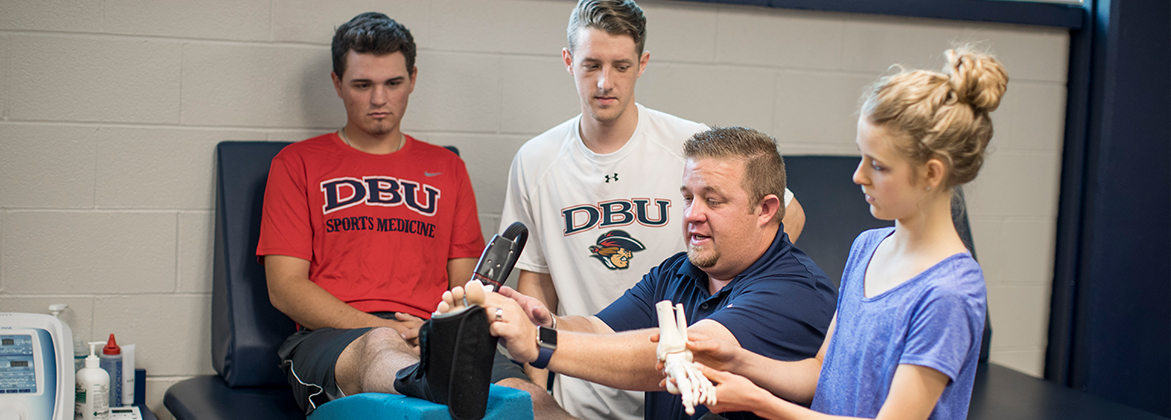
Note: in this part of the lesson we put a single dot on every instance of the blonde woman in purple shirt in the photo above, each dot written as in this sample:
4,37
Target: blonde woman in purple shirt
906,337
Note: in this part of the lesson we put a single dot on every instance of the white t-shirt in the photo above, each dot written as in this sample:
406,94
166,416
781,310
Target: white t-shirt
597,223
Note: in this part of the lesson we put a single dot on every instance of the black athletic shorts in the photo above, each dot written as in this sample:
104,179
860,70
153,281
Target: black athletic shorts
309,356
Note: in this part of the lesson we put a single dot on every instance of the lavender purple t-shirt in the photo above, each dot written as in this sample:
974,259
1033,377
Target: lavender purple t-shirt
935,319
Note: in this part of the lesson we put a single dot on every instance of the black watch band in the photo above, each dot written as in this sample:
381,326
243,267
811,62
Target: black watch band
546,344
543,356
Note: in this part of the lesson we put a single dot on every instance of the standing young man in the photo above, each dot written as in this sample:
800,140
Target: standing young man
364,229
600,192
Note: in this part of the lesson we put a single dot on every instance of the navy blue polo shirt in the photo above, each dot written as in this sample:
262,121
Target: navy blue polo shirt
779,307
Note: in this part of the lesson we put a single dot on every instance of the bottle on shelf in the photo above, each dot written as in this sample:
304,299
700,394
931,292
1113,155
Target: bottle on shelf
92,396
111,362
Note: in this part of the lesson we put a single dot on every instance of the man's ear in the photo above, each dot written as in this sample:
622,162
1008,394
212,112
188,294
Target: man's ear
337,83
567,57
769,207
642,62
414,77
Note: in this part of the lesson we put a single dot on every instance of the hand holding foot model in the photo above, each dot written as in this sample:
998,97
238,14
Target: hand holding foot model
683,376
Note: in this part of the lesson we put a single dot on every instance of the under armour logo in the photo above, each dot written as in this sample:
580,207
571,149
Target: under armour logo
615,178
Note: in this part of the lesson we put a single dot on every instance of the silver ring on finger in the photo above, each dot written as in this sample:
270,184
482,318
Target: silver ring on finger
499,314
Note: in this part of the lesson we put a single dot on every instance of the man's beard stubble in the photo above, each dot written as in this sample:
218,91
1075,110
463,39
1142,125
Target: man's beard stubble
695,256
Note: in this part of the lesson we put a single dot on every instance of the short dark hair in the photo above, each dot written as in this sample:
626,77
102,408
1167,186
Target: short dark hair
615,17
371,33
764,169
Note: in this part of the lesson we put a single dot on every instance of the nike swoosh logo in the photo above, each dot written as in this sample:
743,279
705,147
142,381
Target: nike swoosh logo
425,173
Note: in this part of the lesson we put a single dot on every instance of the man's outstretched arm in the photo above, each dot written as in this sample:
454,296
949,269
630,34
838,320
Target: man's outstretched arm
291,292
588,349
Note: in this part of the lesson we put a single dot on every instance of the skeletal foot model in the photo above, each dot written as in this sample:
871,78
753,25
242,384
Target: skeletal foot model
684,377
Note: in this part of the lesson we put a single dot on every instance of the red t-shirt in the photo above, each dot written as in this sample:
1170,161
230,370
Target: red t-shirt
377,230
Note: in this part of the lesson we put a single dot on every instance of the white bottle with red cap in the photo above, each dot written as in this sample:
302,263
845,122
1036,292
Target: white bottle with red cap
112,363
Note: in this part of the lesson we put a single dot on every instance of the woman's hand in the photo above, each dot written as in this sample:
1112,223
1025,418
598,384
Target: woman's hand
735,392
712,352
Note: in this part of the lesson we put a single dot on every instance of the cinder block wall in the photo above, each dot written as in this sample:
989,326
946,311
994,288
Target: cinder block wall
110,110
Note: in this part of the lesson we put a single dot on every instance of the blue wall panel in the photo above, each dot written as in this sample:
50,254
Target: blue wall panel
1025,13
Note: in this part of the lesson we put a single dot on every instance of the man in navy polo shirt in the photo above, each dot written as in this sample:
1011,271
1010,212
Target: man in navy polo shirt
740,281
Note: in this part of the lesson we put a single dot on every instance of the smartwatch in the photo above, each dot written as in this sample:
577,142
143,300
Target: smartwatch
546,343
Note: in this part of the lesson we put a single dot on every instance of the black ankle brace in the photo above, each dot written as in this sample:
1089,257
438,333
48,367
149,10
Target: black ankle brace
455,364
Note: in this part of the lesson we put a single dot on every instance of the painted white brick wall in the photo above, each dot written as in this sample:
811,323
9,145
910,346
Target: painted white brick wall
521,78
3,76
110,111
462,93
205,19
95,79
251,85
54,15
37,156
313,22
195,250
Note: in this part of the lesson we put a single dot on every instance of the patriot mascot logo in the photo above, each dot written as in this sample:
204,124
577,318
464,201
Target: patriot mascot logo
615,249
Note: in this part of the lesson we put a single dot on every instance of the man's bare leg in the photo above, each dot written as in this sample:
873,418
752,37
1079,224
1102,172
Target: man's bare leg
370,362
544,406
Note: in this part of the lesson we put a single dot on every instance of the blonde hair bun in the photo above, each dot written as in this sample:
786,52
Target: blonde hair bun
941,114
977,78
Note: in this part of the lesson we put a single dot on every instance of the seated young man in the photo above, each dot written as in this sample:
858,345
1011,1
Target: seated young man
365,228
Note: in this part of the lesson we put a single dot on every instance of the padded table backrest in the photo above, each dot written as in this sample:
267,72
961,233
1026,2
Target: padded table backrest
835,211
246,329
